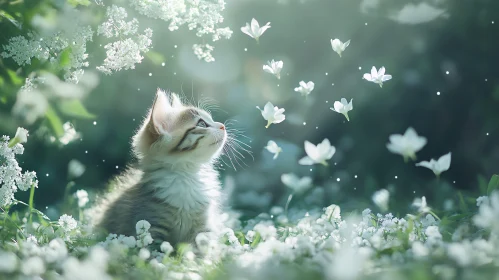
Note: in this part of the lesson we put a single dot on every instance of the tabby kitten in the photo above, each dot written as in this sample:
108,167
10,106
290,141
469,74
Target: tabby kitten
175,187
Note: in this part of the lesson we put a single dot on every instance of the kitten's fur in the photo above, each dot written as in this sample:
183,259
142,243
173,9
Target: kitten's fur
175,187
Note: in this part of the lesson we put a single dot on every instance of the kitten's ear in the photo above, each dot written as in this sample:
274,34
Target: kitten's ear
176,102
159,113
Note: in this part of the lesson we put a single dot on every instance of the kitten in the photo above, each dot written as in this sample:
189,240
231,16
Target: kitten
175,187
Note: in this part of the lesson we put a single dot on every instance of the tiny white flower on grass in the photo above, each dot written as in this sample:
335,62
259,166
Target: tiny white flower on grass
381,198
166,248
298,185
274,68
318,154
75,168
82,197
142,226
272,114
488,212
343,107
377,76
339,46
305,88
254,30
67,222
144,254
273,148
406,145
437,166
420,203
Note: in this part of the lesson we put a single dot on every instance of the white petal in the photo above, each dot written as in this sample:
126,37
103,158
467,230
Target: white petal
338,107
306,161
374,73
425,164
381,71
444,162
367,77
386,78
311,150
347,43
246,30
255,28
267,69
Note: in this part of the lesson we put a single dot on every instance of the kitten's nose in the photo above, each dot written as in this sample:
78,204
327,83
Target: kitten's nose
222,127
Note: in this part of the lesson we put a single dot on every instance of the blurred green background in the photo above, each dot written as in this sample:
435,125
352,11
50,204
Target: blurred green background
442,46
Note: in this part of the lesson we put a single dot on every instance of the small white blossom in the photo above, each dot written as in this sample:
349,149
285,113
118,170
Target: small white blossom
274,68
82,197
488,212
166,248
420,203
254,30
142,226
144,254
272,114
381,198
70,134
437,166
21,135
318,154
67,222
481,200
273,148
343,107
339,46
8,262
305,88
377,76
75,168
406,145
298,185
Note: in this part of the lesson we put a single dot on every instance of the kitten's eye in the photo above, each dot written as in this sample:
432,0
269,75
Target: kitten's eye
202,123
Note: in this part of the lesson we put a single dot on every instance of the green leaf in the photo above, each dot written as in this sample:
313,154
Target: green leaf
4,14
75,108
256,240
493,184
55,122
240,237
155,57
65,57
462,203
482,184
16,80
75,3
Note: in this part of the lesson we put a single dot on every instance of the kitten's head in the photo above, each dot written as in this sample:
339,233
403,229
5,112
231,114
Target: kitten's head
176,133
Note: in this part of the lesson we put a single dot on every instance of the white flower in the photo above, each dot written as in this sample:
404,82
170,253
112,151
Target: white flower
21,135
298,185
406,145
273,148
343,107
82,197
481,200
437,166
274,68
377,77
420,203
488,212
339,46
144,254
67,222
305,88
318,154
8,262
380,198
142,226
70,134
33,266
254,31
166,248
75,168
272,114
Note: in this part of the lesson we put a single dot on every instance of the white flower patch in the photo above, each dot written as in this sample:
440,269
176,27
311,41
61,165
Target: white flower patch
126,52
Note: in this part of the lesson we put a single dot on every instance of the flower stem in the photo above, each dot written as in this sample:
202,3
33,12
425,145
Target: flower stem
268,124
31,198
287,204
